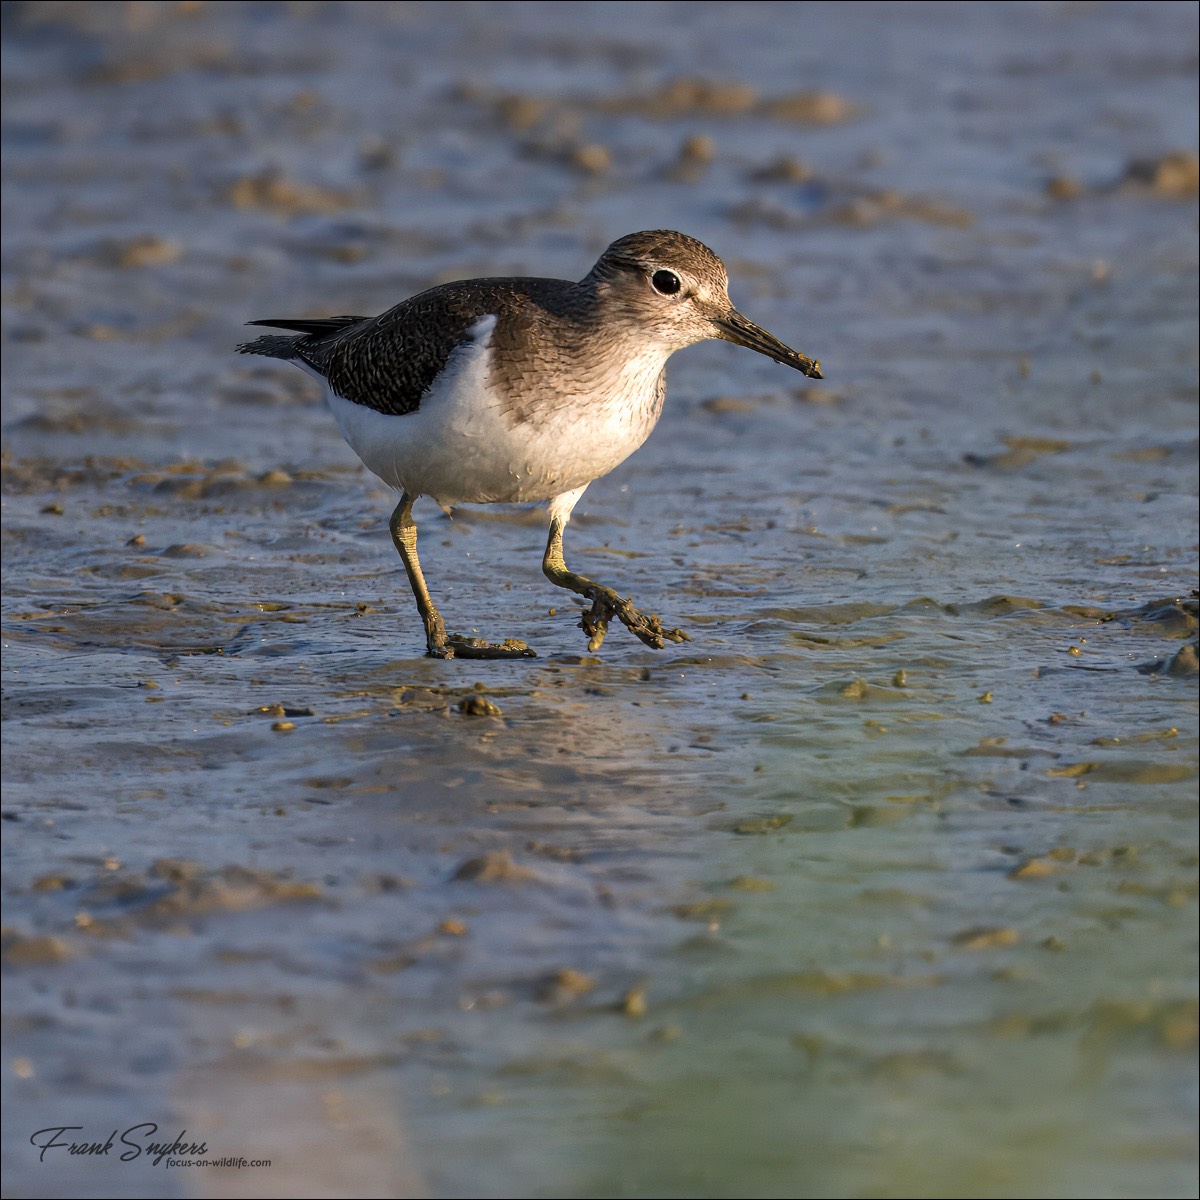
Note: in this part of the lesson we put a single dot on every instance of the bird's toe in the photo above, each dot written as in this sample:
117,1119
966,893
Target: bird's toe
472,647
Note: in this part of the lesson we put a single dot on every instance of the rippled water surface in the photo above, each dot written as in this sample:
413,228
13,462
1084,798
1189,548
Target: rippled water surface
883,885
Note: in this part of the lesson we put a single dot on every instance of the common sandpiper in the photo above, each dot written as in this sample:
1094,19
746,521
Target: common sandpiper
513,390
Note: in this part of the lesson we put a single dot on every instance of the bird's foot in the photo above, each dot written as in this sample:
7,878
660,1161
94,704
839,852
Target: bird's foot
440,644
606,604
457,646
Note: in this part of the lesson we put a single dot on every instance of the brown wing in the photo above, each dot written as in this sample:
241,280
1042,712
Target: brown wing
389,362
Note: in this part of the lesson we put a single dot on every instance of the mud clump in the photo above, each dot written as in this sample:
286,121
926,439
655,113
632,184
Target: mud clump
842,204
564,986
1020,453
706,97
985,937
1175,176
33,950
782,170
178,891
696,154
688,96
633,1002
812,108
496,866
145,251
1063,187
1184,662
275,193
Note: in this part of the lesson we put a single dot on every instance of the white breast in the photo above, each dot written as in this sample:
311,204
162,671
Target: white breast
464,444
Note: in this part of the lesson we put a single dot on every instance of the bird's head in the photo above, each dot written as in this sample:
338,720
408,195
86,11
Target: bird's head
676,290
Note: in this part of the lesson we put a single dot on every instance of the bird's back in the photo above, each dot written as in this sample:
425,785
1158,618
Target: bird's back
389,362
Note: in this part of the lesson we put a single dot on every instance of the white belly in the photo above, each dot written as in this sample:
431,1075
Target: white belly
464,445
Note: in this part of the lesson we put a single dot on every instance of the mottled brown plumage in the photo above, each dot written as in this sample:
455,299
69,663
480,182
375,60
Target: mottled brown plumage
389,362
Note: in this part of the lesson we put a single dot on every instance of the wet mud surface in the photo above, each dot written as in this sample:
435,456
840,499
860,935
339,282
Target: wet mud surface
883,884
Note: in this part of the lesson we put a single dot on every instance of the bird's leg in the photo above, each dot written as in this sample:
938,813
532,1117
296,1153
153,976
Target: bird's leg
437,643
606,604
404,534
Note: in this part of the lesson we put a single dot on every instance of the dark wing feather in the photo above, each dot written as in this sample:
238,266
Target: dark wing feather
289,349
317,327
389,362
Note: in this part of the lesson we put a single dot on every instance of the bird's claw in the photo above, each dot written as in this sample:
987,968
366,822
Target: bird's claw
646,627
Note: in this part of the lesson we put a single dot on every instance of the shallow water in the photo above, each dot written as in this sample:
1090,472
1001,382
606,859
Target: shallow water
884,884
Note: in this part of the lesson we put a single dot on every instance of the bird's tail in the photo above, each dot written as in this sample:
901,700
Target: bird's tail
275,345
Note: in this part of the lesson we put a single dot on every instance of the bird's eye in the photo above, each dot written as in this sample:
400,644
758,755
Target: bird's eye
666,283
